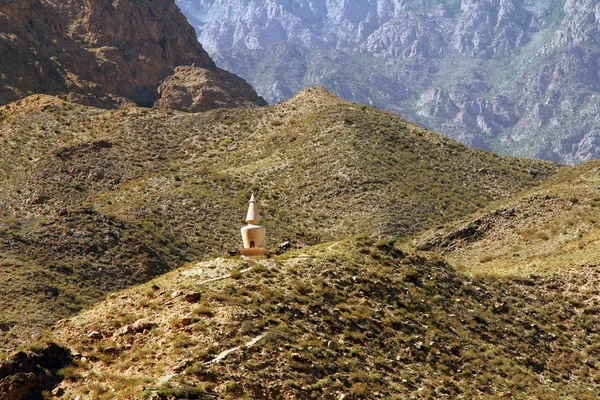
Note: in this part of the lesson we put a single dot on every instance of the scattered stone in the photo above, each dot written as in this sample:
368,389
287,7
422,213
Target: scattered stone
110,350
165,379
138,326
283,247
95,335
186,321
182,366
142,325
500,308
126,330
176,293
193,297
58,392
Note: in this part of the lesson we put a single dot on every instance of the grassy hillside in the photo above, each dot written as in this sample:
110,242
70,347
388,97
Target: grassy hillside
553,228
357,318
93,201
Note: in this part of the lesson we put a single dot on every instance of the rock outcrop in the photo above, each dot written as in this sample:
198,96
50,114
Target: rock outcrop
197,89
95,52
26,374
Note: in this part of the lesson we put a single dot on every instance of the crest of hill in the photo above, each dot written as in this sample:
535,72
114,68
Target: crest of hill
312,97
550,229
353,318
95,200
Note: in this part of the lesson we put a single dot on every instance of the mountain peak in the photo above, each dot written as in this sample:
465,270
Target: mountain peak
315,95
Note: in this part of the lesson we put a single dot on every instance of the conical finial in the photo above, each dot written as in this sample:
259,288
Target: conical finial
253,217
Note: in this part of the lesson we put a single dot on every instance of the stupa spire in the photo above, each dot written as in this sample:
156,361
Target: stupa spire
253,216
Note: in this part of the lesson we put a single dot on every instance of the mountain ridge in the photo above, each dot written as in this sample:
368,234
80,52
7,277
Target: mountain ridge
512,76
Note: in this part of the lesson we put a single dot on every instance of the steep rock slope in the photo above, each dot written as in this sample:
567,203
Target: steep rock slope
99,52
519,77
356,319
96,200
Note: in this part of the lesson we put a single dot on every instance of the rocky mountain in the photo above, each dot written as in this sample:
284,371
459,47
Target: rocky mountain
109,54
516,76
95,200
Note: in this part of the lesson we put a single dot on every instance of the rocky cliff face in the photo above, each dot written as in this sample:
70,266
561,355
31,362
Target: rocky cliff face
95,52
514,76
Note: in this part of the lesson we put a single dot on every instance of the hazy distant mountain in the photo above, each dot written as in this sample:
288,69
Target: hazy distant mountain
515,76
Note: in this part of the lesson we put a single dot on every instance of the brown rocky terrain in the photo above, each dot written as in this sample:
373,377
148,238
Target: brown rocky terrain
105,53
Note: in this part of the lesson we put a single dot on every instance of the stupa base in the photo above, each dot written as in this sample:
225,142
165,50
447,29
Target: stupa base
255,252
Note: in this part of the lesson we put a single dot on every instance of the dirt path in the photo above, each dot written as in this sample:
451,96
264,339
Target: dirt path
220,278
246,345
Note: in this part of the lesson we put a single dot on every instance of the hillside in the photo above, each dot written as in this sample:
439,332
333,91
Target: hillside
551,229
109,54
518,77
96,200
356,318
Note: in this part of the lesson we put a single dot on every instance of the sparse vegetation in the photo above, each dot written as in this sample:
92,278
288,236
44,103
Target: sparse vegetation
392,322
94,201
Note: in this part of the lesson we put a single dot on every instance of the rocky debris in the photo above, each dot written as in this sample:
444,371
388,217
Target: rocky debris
283,247
111,350
142,325
19,386
196,89
193,297
104,54
25,374
95,335
470,232
185,321
5,326
179,368
139,326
